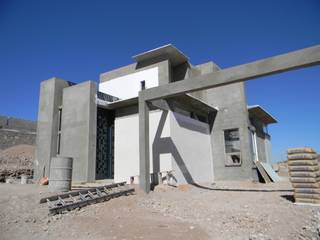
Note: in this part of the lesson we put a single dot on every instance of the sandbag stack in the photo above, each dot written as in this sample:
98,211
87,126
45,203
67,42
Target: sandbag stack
304,174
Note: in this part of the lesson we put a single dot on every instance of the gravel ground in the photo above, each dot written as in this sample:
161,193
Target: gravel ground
249,211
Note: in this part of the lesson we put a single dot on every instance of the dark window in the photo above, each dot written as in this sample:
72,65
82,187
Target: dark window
143,85
232,147
59,130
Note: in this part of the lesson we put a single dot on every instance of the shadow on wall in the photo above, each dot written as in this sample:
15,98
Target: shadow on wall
166,145
188,123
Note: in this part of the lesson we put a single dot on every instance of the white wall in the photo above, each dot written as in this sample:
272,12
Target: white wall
192,157
128,86
126,159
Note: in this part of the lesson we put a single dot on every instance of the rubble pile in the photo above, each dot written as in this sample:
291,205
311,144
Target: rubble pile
16,160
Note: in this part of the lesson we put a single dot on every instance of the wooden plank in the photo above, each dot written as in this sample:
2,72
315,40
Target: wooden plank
263,172
271,173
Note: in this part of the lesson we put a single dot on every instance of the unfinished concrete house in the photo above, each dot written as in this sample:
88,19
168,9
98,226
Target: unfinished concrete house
199,137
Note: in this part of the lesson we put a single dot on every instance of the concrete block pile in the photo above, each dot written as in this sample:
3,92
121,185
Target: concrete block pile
304,174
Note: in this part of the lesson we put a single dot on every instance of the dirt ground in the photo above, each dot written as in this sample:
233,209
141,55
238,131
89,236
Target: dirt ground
232,210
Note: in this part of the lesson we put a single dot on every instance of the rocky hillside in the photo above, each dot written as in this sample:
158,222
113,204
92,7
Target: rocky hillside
16,160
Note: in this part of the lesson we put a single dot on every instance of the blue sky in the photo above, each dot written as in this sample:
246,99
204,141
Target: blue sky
77,40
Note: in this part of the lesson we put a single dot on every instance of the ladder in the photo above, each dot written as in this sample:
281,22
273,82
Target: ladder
76,199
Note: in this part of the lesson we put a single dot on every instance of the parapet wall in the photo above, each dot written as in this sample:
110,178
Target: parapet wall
14,131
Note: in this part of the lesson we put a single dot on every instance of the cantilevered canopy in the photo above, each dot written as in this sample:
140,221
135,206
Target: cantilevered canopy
191,104
169,51
184,101
260,113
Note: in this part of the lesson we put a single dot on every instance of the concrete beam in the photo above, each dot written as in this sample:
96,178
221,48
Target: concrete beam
294,60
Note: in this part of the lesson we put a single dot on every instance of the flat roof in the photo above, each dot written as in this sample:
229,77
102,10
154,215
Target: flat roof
260,113
168,51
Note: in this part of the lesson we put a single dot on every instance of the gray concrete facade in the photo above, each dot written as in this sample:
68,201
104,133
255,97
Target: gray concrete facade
78,129
286,62
48,119
211,102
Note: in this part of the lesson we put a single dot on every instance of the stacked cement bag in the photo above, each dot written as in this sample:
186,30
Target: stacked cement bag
304,174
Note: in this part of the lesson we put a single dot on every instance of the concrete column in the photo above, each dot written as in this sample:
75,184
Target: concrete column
144,144
47,128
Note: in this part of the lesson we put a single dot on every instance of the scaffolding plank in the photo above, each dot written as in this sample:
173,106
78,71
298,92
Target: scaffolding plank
272,174
262,172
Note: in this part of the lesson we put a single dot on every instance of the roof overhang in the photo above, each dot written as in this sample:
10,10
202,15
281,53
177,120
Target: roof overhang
260,113
187,101
117,104
170,52
191,104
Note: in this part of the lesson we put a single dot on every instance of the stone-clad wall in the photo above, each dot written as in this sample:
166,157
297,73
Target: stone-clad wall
15,131
17,124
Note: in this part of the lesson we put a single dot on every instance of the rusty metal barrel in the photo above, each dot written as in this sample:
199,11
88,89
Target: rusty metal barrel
60,174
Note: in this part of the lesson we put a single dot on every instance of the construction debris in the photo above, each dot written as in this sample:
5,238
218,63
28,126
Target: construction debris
44,181
75,199
304,175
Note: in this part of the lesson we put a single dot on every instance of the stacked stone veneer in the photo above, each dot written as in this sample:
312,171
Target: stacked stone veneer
15,131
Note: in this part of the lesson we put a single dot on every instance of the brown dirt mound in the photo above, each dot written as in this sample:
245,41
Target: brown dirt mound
17,157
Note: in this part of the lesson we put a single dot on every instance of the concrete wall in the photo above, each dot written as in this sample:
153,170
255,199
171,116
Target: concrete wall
78,129
164,71
191,150
262,140
49,101
268,148
232,113
128,86
126,158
